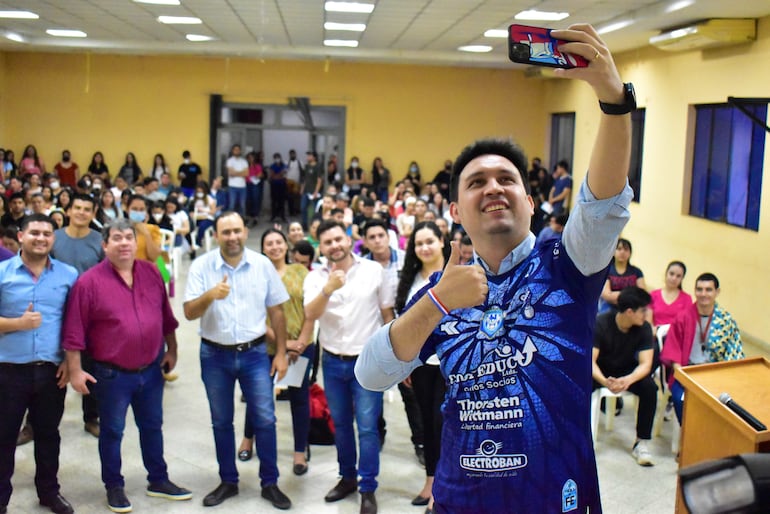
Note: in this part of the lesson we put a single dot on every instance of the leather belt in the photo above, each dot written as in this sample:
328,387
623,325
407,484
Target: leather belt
240,347
110,365
346,358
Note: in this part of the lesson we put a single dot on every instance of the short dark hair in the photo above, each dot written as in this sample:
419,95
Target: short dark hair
336,211
708,277
186,154
633,298
328,225
503,148
119,224
303,247
561,219
374,222
563,164
227,213
14,196
367,202
83,198
133,198
36,217
466,240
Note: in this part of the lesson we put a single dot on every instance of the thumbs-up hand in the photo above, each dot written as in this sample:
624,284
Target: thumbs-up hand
461,285
221,290
336,278
30,320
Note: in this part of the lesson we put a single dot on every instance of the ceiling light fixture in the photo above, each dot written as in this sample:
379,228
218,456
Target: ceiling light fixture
349,7
14,37
66,33
677,6
198,37
19,15
479,49
535,15
341,42
496,33
612,27
158,2
353,27
179,20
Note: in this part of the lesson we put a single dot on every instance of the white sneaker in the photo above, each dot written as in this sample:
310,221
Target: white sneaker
642,454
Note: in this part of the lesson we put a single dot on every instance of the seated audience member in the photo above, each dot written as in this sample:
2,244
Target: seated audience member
108,210
166,187
152,190
621,275
303,253
670,300
296,233
180,220
16,211
407,216
148,237
622,361
704,332
37,204
11,238
203,206
466,249
312,233
159,217
554,229
219,194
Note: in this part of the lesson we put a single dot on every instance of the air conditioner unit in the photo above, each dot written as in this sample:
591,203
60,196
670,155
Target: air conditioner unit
706,34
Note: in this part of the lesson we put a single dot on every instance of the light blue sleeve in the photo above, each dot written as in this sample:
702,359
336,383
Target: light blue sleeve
378,368
276,291
593,228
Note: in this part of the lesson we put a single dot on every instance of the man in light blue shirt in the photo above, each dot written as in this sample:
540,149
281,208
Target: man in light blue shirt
233,290
33,293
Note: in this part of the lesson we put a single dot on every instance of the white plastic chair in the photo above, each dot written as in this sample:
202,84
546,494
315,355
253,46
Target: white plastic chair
208,238
174,253
609,408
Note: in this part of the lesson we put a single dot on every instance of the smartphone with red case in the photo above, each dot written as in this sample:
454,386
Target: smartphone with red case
536,46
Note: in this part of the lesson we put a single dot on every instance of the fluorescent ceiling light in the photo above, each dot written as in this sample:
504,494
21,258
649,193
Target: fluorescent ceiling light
349,7
198,37
496,33
14,37
341,42
66,33
612,27
541,15
158,2
179,20
681,4
480,49
19,15
353,27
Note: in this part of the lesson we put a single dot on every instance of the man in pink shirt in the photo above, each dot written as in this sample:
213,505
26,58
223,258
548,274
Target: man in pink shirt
130,334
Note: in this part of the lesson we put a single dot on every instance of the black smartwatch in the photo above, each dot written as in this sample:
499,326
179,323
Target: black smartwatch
628,105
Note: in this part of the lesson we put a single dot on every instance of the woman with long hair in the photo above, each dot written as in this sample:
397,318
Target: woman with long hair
158,166
670,300
107,209
31,163
299,332
621,275
98,168
130,171
426,254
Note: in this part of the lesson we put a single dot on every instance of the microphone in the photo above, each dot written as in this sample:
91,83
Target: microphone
742,413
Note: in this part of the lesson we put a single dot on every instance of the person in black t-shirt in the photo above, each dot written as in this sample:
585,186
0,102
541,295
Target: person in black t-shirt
623,355
189,174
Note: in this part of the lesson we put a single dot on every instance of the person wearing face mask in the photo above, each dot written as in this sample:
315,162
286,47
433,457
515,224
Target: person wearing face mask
148,236
413,174
442,179
354,177
67,170
159,217
189,173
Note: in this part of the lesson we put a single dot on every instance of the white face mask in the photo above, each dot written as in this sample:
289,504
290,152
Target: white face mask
187,161
54,184
199,195
354,164
158,217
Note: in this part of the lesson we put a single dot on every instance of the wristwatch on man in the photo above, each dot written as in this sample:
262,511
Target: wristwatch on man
628,105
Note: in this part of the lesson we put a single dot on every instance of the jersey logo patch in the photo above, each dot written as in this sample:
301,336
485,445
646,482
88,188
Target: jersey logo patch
569,496
487,460
492,322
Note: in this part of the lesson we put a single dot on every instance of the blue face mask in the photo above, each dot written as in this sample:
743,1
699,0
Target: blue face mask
137,216
413,169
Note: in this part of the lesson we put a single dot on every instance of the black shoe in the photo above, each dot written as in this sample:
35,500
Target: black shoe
300,469
274,495
117,500
245,455
57,504
344,487
368,503
420,501
221,493
92,427
25,435
168,490
3,509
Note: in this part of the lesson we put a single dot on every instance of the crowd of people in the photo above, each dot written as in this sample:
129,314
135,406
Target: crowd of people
454,288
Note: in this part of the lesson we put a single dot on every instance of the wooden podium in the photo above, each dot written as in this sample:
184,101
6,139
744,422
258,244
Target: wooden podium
709,429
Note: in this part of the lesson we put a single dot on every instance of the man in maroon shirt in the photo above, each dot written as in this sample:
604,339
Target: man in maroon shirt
119,313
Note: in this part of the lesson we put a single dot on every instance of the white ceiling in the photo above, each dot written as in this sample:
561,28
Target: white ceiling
405,31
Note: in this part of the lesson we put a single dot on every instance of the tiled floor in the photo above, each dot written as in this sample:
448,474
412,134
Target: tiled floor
626,487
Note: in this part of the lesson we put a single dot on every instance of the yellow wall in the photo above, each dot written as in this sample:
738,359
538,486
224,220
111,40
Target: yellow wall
667,85
117,103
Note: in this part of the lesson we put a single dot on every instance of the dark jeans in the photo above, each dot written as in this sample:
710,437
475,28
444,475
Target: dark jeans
278,194
33,387
429,388
254,194
647,392
220,368
237,200
116,390
299,400
202,226
677,398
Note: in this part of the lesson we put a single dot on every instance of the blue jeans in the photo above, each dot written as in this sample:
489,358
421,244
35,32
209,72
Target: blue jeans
115,391
254,194
220,369
237,201
299,400
347,398
677,398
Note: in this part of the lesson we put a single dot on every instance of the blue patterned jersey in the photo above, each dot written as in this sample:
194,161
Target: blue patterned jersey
517,435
